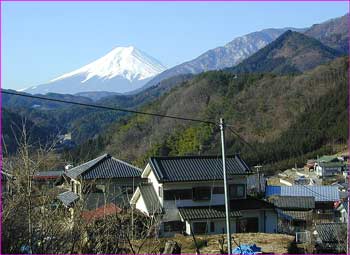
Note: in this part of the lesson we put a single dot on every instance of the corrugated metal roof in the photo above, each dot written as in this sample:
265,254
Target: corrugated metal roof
150,198
205,212
68,198
291,202
196,168
104,167
320,193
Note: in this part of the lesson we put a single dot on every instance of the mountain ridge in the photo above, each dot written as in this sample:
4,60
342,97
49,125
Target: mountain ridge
292,52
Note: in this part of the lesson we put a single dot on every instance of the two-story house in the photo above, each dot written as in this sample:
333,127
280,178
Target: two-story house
329,166
187,194
101,181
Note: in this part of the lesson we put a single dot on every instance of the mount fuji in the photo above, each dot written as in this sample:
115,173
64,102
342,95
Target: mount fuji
122,70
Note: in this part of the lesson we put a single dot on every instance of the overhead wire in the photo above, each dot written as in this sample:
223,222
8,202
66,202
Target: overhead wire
108,107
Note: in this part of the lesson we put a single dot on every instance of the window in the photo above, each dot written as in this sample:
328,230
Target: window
177,194
218,190
199,227
237,190
174,226
212,226
248,225
201,193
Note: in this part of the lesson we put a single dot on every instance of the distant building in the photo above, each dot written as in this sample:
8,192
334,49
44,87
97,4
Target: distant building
310,164
187,194
101,181
325,197
47,179
295,213
328,166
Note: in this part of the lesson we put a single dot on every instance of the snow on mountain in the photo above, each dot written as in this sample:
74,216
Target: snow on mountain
122,70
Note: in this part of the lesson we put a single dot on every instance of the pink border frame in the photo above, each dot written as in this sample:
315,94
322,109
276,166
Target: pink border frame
214,1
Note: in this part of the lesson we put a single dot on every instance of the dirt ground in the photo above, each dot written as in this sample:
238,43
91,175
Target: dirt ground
270,243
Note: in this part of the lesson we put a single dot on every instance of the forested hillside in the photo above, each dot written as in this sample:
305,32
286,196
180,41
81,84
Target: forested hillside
277,114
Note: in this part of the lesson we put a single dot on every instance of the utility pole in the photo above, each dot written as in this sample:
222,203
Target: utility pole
227,201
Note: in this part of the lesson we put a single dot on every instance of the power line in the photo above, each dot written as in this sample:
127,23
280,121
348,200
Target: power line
315,192
109,108
241,138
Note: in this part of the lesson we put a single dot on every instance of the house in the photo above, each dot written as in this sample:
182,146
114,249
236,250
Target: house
101,181
294,213
47,179
330,237
328,166
324,196
310,164
186,194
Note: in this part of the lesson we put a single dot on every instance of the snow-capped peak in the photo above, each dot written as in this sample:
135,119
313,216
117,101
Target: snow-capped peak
127,62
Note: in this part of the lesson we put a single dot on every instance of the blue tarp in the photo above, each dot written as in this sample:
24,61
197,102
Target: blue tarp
247,249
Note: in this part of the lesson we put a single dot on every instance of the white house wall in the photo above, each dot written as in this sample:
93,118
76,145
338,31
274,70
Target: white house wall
140,205
270,226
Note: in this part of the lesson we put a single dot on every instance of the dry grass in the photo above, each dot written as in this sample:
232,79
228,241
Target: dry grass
270,243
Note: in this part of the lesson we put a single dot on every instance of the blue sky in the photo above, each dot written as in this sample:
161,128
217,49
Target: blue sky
42,40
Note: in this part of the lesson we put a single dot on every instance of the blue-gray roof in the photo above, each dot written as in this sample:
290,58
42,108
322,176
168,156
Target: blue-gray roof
68,198
104,167
196,168
320,193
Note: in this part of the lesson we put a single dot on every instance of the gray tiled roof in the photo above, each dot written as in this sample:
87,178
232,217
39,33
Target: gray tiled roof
331,232
150,198
196,168
205,212
104,167
296,203
68,198
296,215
